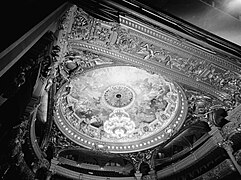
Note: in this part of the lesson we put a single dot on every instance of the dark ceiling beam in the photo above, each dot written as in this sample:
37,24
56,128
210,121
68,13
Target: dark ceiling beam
186,30
98,9
15,51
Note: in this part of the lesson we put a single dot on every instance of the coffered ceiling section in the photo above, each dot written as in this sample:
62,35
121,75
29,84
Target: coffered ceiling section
122,82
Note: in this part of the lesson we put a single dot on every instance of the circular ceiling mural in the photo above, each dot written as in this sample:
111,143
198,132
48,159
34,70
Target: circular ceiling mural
119,108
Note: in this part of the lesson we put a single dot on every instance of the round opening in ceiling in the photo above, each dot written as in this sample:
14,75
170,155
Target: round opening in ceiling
118,96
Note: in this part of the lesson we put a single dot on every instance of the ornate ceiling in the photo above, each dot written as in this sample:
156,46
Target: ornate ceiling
157,49
132,91
121,87
130,95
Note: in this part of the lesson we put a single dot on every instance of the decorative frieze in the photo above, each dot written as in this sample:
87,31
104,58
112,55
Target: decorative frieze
131,39
180,43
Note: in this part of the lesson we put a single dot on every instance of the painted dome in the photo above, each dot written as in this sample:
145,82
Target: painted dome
121,108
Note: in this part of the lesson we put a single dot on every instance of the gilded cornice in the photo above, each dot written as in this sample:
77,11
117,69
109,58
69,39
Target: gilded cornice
131,42
150,65
179,44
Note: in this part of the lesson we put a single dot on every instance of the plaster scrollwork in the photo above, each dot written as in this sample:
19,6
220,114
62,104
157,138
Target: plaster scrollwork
130,43
234,126
17,153
60,141
125,41
115,37
75,62
81,25
41,163
231,83
135,45
65,27
230,129
226,81
198,69
104,34
201,106
78,26
84,27
134,158
139,157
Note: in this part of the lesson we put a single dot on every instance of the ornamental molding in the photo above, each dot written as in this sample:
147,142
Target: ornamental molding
234,126
153,66
177,43
159,49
